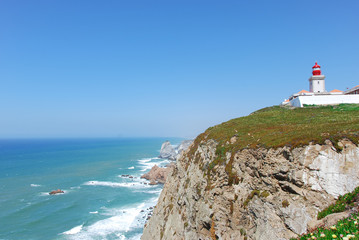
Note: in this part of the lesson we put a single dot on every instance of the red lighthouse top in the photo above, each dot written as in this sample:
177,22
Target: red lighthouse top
316,69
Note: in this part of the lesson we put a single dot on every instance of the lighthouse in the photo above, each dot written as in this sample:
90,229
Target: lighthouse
317,94
316,81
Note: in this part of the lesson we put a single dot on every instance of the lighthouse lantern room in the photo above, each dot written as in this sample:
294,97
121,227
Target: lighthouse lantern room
316,81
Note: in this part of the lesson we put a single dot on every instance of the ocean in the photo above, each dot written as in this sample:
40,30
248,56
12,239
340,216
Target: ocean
98,201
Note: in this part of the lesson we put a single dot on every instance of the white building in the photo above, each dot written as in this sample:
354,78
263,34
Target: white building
317,95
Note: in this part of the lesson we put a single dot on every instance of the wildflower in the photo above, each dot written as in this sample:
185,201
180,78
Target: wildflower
334,236
333,227
313,237
345,238
322,235
356,222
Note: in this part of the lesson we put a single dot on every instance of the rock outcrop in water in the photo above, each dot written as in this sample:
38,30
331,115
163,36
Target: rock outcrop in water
157,174
267,193
171,152
56,192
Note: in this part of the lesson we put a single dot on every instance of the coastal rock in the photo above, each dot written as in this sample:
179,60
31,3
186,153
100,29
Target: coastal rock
173,153
56,192
167,151
183,147
272,193
157,175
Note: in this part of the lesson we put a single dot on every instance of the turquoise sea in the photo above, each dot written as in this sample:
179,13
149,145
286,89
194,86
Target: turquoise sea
98,202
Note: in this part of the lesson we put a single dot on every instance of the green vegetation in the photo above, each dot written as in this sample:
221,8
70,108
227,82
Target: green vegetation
345,229
341,204
264,194
278,126
250,197
285,203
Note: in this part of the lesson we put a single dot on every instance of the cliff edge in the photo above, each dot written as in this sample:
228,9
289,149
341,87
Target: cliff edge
263,176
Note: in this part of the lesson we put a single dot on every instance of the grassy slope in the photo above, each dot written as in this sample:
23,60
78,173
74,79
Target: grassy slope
279,126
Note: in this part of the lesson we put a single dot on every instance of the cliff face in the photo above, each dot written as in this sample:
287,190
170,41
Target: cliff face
262,193
171,152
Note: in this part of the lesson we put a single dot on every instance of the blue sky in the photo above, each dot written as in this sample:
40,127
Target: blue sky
163,68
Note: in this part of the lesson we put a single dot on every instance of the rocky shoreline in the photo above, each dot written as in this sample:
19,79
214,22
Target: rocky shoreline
158,175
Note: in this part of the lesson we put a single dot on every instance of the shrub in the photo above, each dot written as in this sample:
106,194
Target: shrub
264,194
250,197
285,203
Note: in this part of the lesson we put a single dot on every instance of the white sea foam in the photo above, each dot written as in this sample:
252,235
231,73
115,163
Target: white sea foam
134,184
150,191
35,185
131,167
118,223
148,163
146,160
74,230
95,212
136,237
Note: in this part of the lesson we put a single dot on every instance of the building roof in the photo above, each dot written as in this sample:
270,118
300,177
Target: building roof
336,90
303,91
316,65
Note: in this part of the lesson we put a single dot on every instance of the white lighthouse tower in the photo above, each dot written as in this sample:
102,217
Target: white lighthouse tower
316,81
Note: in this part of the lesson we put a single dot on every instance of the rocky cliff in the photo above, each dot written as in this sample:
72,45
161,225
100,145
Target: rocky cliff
222,190
173,152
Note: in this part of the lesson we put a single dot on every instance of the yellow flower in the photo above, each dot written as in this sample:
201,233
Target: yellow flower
333,227
334,236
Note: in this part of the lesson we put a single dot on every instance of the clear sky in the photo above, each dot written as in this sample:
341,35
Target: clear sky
141,68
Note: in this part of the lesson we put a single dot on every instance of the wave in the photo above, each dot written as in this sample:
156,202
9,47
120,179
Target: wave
148,163
119,222
35,185
131,167
74,230
150,191
134,184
